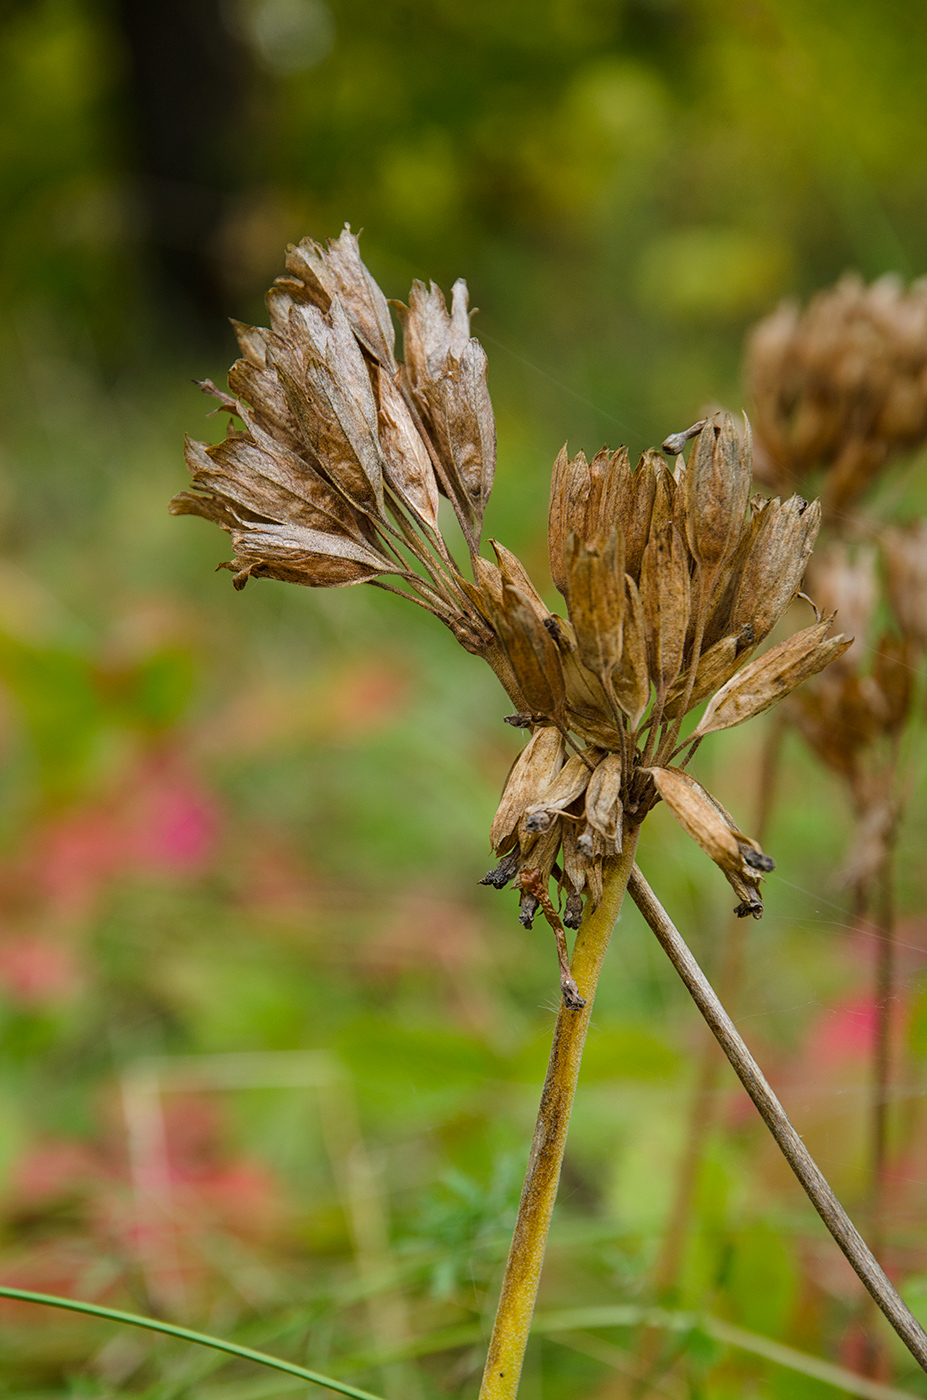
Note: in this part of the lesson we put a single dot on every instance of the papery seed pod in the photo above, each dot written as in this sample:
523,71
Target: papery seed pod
590,712
337,271
607,495
603,800
539,848
533,653
568,785
294,554
718,476
631,677
328,389
569,495
459,413
485,593
664,593
767,680
408,465
715,667
704,819
906,569
534,768
514,574
775,566
431,335
595,589
637,509
663,499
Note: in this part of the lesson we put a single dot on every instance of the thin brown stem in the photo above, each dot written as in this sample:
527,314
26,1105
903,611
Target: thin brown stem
774,1116
526,1255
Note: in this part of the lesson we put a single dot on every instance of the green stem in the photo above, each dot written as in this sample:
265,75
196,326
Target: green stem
25,1295
526,1255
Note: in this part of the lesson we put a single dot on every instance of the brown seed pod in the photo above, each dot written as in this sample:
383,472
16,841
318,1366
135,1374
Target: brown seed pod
603,801
533,770
775,566
631,677
664,592
595,589
718,476
767,680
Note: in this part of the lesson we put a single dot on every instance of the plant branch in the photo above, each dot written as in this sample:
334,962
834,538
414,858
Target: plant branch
169,1329
526,1255
773,1114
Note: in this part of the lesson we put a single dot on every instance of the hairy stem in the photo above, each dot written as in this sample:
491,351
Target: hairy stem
774,1116
526,1255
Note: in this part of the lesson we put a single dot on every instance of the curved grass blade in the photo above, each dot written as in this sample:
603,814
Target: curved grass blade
169,1329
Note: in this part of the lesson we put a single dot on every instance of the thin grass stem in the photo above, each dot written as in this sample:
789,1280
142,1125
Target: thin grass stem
184,1334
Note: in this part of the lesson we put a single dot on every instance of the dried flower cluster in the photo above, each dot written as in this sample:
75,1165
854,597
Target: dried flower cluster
841,385
672,578
854,715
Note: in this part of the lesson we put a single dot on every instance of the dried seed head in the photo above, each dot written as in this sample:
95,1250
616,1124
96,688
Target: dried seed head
906,569
533,653
841,385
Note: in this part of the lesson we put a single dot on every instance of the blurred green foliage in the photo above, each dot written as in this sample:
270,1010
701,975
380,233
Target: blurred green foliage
255,823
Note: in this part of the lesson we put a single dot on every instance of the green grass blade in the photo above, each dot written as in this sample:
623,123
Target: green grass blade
169,1329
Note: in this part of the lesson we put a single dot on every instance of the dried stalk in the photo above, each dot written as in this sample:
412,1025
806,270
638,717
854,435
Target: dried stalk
702,1112
526,1254
811,1178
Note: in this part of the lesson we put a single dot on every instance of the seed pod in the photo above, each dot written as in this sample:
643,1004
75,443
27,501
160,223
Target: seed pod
534,768
704,819
637,510
774,569
431,335
603,800
715,667
337,270
513,573
293,554
768,679
631,677
607,510
595,588
664,595
718,478
569,493
563,790
532,652
408,466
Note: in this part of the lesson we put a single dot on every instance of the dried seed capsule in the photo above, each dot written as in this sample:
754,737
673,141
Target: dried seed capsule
513,573
606,504
715,667
595,590
704,819
569,493
533,653
564,789
408,466
767,680
774,569
637,510
537,764
665,599
603,800
718,478
631,677
573,913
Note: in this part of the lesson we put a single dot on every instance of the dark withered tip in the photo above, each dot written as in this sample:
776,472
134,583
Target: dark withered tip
573,913
503,872
758,859
529,907
519,721
753,907
571,997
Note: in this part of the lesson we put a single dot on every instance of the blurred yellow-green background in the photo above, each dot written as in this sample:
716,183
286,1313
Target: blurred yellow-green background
252,825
